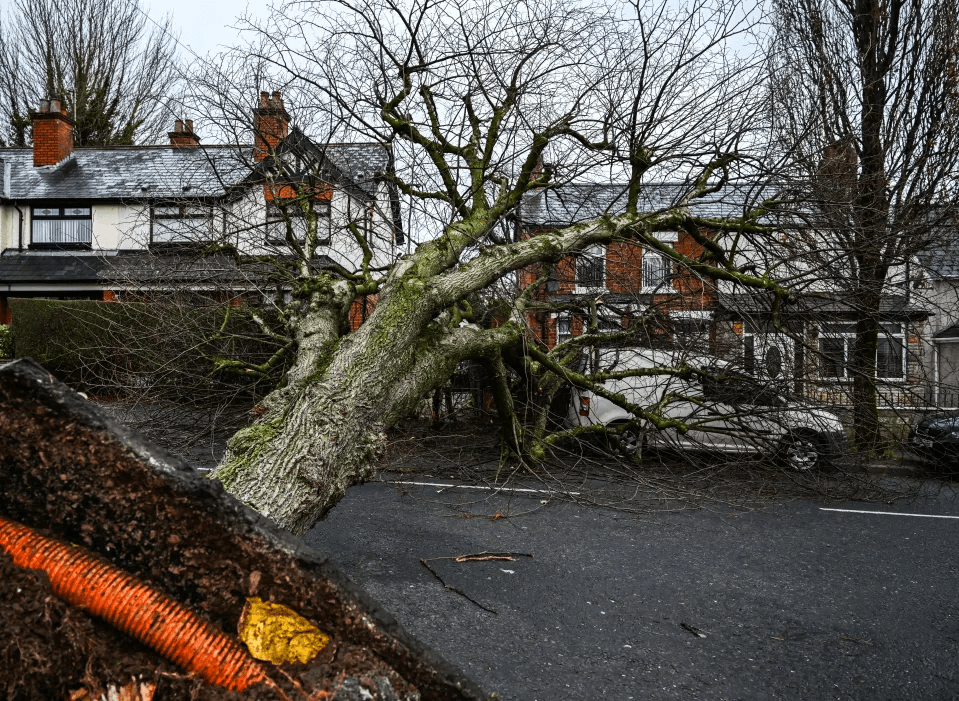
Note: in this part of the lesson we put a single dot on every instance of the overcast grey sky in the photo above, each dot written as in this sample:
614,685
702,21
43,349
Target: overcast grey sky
203,24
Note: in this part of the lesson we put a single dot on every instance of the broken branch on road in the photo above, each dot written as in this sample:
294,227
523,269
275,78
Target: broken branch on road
474,557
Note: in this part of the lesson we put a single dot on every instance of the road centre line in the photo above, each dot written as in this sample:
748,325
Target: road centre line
887,513
492,489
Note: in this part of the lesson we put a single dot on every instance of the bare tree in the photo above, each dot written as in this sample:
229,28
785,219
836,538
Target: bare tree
864,100
107,62
471,101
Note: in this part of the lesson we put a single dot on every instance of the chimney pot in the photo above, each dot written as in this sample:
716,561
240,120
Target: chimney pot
182,135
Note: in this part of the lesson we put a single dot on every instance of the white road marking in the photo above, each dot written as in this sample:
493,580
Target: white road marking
887,513
492,489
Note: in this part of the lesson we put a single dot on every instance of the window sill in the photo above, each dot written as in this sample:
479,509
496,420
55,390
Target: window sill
282,242
60,246
849,380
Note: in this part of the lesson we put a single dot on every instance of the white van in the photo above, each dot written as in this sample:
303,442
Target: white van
734,414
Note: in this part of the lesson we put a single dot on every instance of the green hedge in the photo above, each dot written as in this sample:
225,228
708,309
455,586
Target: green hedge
118,347
68,337
6,342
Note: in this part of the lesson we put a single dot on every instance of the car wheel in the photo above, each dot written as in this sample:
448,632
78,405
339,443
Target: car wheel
801,453
625,444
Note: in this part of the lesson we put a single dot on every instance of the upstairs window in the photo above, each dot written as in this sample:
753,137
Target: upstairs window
277,217
182,223
591,268
61,226
656,272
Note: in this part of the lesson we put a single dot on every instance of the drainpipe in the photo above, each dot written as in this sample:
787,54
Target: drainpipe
20,231
935,363
6,195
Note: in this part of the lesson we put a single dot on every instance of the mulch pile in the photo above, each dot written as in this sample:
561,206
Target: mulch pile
71,473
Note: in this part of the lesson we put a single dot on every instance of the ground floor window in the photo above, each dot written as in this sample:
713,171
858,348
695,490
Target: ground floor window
564,328
837,343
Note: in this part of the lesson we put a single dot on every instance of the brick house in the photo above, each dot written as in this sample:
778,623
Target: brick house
112,222
624,280
811,356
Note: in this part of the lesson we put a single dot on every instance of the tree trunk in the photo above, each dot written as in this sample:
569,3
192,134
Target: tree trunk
326,428
865,393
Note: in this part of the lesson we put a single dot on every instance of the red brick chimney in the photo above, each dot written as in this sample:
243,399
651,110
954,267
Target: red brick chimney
52,134
271,124
182,135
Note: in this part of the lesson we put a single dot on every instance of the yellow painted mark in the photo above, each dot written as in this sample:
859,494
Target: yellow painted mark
278,634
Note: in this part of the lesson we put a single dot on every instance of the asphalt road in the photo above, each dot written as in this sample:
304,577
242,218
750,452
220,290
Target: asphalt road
795,602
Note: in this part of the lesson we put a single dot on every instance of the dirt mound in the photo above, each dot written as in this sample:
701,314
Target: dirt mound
69,472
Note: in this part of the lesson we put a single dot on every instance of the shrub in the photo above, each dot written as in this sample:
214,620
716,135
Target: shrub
6,341
126,348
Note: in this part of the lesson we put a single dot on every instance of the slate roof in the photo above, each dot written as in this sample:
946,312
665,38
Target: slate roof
163,172
941,260
50,268
359,165
125,173
757,303
580,202
951,332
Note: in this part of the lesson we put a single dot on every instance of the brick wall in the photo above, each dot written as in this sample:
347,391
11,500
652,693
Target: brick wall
52,134
271,124
361,308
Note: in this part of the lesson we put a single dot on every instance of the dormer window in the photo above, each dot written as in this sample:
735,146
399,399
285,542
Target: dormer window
59,226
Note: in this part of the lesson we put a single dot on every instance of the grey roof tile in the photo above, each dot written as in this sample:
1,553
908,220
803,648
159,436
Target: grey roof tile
951,332
580,202
161,172
941,260
759,302
129,269
50,268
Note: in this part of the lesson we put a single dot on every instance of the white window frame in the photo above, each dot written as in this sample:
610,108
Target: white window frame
561,320
848,338
663,269
596,253
276,222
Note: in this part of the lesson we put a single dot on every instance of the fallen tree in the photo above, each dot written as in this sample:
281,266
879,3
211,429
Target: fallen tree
473,101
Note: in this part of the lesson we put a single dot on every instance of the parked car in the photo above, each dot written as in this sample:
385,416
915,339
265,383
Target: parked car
935,438
731,414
